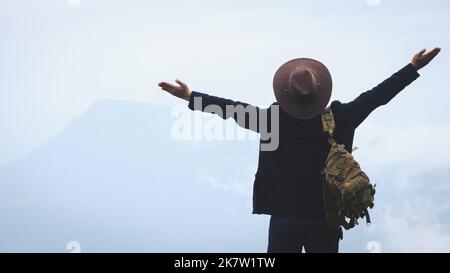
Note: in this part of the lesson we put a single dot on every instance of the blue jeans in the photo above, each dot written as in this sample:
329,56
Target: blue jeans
292,234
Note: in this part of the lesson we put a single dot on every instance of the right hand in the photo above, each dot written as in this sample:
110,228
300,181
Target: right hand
181,90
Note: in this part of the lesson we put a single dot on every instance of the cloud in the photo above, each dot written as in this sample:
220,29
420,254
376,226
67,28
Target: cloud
421,146
19,204
239,187
411,165
413,224
414,217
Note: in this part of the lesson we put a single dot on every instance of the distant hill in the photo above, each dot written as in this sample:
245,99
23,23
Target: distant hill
115,180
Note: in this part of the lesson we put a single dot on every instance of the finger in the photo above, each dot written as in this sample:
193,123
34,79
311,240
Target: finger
430,55
163,84
180,83
432,51
435,52
167,86
420,53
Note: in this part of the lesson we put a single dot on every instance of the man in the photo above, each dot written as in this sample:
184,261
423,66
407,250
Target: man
288,183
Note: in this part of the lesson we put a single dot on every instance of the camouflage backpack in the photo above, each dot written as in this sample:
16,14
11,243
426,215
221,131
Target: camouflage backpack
348,184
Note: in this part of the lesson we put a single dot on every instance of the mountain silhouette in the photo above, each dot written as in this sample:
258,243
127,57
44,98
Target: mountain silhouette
115,180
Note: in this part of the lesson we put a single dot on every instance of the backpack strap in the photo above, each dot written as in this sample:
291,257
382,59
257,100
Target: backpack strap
368,221
328,124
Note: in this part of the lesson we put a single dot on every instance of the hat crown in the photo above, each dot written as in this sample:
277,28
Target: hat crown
303,84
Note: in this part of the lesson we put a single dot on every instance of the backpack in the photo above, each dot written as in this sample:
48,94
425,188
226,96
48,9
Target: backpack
346,183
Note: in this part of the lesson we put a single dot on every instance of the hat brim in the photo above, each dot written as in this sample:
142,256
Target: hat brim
321,98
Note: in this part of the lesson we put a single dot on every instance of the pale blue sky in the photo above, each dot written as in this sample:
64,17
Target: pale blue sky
57,60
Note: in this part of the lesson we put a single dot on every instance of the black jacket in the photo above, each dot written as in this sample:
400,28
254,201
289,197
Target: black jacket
288,180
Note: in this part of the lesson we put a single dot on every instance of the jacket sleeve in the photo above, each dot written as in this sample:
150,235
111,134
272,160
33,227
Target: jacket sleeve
360,108
245,115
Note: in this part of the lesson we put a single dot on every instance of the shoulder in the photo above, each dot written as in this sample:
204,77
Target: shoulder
337,107
339,113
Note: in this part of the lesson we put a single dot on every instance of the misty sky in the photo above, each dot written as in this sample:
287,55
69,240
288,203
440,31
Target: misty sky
58,57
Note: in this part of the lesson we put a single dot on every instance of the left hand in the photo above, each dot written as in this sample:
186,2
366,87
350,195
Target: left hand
422,58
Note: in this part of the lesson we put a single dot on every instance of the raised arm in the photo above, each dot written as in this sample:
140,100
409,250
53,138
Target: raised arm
245,115
360,108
